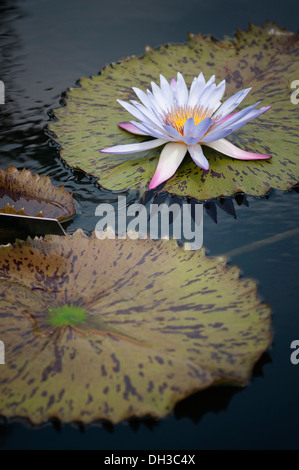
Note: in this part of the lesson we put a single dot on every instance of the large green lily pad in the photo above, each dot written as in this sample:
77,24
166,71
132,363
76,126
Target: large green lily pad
265,58
23,193
118,328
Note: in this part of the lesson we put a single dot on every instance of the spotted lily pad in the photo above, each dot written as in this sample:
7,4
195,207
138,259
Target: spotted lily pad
264,58
118,328
26,194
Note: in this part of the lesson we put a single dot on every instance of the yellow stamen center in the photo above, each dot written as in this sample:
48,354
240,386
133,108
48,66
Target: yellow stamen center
178,115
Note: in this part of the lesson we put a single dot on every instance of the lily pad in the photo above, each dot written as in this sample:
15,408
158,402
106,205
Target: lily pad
264,58
110,329
33,195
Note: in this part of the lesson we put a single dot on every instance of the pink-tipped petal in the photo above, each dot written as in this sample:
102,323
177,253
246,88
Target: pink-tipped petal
235,117
232,151
230,104
227,117
169,161
132,148
128,126
173,83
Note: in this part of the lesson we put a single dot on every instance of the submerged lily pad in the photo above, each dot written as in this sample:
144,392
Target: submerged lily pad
109,329
265,58
33,195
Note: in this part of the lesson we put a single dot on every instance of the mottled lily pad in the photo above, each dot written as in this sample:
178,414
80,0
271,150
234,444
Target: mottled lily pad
33,195
110,329
265,58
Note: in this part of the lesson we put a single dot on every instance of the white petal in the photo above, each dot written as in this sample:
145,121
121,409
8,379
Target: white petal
249,117
215,135
144,98
181,94
236,117
192,133
211,80
173,132
142,113
154,103
160,97
188,140
167,90
153,131
132,148
205,96
198,156
198,82
169,161
131,109
196,90
148,117
231,103
216,96
202,128
189,127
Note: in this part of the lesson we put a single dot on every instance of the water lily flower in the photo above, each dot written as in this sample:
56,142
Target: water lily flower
185,121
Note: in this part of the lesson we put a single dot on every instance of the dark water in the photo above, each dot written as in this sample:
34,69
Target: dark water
46,45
